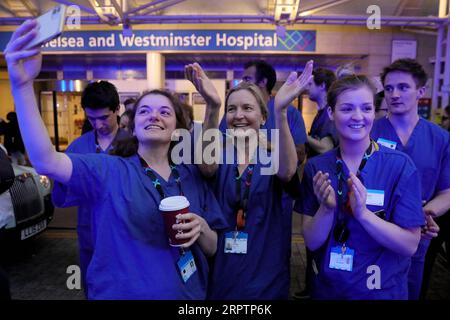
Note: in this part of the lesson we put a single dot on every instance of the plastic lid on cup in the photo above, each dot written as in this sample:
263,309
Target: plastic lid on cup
174,203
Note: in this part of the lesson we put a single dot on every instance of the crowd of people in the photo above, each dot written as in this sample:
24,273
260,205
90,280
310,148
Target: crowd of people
373,190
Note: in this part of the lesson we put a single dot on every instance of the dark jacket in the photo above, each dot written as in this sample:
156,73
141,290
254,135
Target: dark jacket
13,139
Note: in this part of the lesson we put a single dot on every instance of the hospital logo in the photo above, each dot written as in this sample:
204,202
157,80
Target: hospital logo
298,40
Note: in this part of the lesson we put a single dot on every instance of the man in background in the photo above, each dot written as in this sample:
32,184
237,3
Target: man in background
100,101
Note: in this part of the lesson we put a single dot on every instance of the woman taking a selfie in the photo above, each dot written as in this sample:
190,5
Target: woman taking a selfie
132,257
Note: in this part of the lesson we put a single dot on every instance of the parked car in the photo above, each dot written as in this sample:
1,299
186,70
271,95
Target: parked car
26,208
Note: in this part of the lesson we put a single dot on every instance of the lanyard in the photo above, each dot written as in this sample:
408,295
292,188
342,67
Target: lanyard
341,232
156,183
241,204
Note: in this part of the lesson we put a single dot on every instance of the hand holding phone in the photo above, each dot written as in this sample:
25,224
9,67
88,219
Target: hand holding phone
50,26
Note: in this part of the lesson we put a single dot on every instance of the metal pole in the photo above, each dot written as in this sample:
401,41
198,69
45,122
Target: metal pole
364,18
330,20
437,67
55,120
167,5
70,3
322,6
445,89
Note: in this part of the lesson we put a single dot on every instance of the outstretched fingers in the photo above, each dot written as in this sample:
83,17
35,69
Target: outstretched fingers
14,57
291,78
188,72
23,29
22,36
194,73
306,76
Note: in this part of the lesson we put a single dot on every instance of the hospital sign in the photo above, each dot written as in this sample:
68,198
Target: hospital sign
179,40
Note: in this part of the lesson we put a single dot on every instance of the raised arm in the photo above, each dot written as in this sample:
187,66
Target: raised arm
205,87
23,68
289,91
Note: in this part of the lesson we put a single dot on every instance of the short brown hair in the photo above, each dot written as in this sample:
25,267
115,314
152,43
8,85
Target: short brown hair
410,66
322,75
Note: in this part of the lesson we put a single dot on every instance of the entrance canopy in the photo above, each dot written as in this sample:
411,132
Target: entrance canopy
129,13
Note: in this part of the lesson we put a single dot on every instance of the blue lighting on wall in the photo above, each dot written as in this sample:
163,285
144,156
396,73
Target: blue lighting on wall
63,86
236,82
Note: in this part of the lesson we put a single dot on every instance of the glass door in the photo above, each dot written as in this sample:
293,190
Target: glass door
63,116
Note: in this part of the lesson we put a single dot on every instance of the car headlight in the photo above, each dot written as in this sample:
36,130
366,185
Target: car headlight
45,181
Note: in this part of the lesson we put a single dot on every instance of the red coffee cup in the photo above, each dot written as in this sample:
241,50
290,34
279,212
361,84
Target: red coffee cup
170,207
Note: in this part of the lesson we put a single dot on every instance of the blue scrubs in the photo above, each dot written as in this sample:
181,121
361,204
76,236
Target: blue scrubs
395,174
321,127
298,132
132,258
263,272
429,149
86,144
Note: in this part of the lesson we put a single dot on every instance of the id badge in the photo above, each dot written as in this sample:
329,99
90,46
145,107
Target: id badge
375,197
186,265
236,242
341,259
387,143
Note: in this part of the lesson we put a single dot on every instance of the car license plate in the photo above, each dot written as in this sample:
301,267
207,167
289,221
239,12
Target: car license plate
30,231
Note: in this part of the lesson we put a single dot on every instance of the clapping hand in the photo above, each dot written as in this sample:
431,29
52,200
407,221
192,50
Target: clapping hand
323,190
431,229
293,86
195,74
357,196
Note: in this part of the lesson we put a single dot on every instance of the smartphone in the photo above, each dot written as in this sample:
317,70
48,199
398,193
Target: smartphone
51,25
